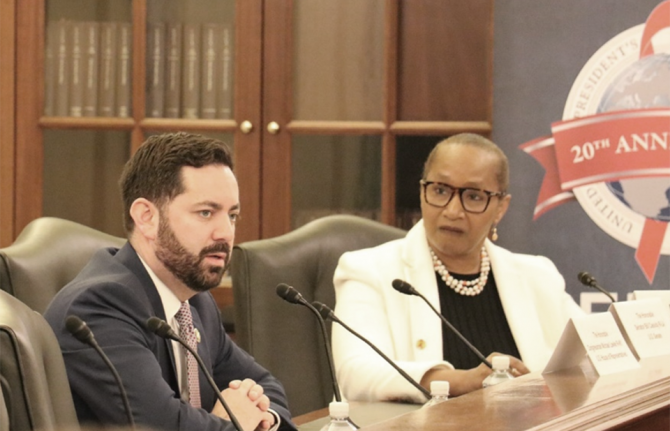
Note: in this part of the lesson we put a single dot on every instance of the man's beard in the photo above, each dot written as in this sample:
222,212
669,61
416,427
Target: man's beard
186,266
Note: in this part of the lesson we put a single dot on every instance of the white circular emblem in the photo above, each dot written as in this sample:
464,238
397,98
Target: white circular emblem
615,78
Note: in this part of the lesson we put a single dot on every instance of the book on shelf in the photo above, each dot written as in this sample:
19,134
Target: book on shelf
123,83
107,78
191,71
91,54
211,39
173,69
50,52
225,84
155,77
76,76
62,68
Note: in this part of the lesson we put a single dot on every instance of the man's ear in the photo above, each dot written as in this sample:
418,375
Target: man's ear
146,217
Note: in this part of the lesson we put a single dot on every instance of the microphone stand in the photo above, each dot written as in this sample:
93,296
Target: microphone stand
163,330
404,287
327,313
589,281
80,330
291,295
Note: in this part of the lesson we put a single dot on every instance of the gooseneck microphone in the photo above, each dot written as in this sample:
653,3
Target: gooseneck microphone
162,329
406,288
327,313
289,294
590,281
80,330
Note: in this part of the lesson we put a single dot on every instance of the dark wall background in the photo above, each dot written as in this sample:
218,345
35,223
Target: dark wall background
539,49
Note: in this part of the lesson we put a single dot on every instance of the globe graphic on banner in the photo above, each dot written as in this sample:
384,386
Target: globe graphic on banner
637,87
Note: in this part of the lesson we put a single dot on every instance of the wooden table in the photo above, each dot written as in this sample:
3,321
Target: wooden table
575,399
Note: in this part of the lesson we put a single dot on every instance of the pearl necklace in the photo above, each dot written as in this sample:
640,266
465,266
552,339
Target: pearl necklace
467,288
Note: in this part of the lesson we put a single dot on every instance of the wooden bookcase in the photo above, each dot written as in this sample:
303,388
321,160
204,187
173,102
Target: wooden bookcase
344,99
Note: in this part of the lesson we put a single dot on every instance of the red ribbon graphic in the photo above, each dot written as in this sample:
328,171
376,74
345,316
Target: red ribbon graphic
606,147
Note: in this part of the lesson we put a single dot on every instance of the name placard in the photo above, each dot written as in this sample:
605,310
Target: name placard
598,337
663,295
645,325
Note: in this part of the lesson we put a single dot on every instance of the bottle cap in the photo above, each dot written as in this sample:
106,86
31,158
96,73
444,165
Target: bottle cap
500,362
439,387
338,409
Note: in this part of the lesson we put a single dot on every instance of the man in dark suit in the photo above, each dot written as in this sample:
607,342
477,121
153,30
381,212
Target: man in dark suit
181,203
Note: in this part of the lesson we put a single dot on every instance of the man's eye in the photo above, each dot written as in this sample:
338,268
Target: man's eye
206,213
234,217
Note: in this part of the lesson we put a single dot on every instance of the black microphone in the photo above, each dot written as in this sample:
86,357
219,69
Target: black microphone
406,288
327,313
162,329
590,281
289,294
80,330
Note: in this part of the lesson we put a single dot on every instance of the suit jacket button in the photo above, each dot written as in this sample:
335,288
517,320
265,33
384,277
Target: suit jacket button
421,344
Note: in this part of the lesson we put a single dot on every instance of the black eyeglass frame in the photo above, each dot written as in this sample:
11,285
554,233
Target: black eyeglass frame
489,194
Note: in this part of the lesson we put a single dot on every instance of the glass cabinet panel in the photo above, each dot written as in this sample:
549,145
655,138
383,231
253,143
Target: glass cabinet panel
335,175
190,55
88,59
81,176
411,153
338,60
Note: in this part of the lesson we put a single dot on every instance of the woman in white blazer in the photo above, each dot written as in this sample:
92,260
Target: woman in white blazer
500,300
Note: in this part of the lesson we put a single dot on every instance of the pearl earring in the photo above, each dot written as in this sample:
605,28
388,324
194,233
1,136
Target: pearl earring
494,234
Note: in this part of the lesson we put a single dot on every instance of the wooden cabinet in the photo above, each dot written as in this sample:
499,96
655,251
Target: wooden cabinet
340,101
7,100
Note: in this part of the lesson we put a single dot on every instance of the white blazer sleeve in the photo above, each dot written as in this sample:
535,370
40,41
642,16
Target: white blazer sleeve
368,304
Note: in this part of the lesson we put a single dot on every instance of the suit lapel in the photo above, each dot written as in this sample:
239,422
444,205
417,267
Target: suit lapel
426,327
516,297
165,355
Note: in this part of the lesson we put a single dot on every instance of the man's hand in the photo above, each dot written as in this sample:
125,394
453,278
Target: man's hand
247,402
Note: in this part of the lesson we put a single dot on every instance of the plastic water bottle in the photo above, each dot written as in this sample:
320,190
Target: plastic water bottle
501,372
439,392
339,417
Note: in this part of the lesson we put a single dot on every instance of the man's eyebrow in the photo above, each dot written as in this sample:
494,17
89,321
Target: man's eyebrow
211,204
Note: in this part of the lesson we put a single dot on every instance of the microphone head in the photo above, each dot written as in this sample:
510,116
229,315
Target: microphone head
79,329
403,287
159,327
586,279
323,310
289,294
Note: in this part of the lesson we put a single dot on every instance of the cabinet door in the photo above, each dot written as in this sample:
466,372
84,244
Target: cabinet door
74,141
355,92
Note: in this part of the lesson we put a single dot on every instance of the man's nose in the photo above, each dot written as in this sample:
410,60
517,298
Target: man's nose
225,230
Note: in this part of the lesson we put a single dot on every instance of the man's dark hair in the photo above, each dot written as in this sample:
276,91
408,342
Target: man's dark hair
154,171
478,141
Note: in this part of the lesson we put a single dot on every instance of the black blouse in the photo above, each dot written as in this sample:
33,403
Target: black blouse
479,318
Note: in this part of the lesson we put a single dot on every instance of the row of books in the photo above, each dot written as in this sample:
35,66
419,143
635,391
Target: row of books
87,69
189,70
